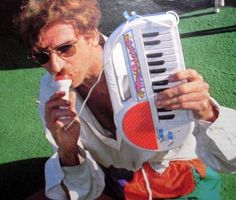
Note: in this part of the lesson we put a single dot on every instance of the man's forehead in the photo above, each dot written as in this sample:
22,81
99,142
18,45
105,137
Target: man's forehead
56,35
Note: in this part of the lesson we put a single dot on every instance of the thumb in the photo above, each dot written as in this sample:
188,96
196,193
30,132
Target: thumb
72,98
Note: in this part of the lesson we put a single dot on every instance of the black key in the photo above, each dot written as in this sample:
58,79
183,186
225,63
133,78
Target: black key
163,110
153,34
159,62
154,55
157,90
157,71
166,117
163,82
155,42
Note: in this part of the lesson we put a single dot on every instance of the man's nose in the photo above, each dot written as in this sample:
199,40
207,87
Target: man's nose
56,63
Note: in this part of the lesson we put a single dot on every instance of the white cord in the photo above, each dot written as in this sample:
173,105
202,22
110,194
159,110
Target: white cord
99,77
160,23
90,91
175,14
148,187
86,99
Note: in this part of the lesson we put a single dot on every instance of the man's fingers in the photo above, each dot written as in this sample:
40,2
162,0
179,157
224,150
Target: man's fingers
188,74
72,125
72,97
57,103
62,114
57,95
182,89
181,102
193,105
65,125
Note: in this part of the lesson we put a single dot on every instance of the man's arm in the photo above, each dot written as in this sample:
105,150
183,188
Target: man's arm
216,142
78,173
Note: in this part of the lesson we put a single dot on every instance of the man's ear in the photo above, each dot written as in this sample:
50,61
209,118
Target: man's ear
93,37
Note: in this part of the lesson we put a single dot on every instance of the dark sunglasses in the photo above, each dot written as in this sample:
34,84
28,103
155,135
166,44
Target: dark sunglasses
63,51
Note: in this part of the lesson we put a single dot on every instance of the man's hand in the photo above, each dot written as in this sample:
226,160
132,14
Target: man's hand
59,113
192,95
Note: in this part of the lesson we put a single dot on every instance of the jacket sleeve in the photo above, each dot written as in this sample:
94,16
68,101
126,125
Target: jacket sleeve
84,181
216,142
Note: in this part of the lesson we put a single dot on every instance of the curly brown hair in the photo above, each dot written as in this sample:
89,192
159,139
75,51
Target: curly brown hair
36,15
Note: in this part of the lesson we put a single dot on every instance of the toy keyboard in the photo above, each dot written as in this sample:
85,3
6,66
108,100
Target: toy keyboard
139,56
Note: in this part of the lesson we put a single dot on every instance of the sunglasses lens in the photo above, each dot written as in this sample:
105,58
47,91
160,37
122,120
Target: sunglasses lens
67,50
63,51
41,57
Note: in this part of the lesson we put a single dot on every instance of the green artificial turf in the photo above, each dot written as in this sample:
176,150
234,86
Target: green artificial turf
209,45
21,132
213,55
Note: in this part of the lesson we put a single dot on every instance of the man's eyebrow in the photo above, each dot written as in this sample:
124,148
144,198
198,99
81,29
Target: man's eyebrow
64,43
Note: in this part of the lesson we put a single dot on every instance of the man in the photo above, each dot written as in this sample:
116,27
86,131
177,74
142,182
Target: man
63,37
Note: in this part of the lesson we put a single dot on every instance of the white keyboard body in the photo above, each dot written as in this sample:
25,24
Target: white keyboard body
139,56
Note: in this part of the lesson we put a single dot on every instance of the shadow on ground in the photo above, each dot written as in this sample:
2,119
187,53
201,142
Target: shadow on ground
209,31
112,11
21,179
13,55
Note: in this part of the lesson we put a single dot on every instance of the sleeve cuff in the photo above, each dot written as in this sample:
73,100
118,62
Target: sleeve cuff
73,177
221,132
206,124
54,176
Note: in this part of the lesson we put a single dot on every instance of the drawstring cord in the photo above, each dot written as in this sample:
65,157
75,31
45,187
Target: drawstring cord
148,187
